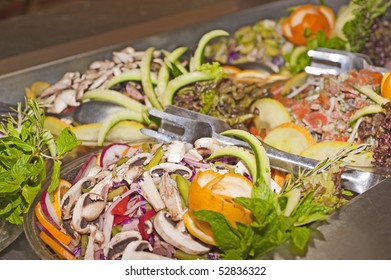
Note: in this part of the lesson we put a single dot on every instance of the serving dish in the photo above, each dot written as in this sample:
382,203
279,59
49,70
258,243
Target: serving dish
15,82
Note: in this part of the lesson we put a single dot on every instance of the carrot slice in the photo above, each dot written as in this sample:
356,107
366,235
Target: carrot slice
59,235
56,247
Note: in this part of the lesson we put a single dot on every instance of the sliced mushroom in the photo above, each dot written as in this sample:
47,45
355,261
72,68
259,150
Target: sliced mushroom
206,146
101,186
138,250
171,197
133,173
87,209
71,196
176,236
170,168
89,255
116,246
93,206
139,159
175,151
150,192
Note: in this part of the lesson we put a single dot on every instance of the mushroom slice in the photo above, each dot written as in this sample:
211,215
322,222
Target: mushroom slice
139,159
150,192
116,246
171,197
175,235
93,206
87,209
175,151
170,168
89,255
206,146
71,196
133,173
138,250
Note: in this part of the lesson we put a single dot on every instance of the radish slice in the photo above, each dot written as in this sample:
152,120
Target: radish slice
112,153
48,210
86,168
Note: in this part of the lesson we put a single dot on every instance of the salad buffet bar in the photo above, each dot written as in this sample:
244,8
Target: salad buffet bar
148,179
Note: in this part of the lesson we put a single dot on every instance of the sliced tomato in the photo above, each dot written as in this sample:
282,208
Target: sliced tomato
324,100
316,120
300,109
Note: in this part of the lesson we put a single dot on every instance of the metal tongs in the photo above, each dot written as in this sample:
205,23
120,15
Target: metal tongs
185,125
334,62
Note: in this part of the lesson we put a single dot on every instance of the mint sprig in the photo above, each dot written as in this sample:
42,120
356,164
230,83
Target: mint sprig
25,148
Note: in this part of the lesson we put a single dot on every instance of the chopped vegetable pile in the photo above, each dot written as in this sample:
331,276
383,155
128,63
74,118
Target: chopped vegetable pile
183,201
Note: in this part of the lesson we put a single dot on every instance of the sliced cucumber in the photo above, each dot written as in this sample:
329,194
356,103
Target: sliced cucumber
198,59
146,78
371,94
112,120
164,72
244,155
182,81
132,75
367,110
261,160
114,97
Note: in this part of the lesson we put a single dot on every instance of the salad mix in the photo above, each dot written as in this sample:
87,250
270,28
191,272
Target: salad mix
184,201
282,44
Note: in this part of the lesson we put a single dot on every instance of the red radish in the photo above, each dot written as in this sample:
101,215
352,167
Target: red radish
86,167
48,210
112,153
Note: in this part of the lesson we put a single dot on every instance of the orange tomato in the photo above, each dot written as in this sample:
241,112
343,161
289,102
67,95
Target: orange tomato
213,191
307,20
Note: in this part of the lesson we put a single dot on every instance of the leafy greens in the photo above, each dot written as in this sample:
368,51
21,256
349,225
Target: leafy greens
277,218
25,149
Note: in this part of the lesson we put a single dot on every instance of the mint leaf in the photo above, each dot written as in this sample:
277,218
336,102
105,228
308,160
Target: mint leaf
29,193
65,142
224,234
23,156
300,237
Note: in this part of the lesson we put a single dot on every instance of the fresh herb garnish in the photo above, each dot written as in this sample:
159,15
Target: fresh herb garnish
277,218
25,148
